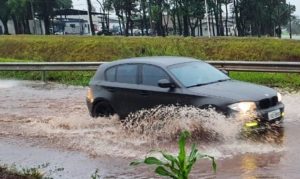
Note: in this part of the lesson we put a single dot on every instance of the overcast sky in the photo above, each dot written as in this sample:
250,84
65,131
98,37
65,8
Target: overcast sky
81,4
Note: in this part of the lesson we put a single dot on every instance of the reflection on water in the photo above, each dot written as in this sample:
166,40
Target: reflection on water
55,116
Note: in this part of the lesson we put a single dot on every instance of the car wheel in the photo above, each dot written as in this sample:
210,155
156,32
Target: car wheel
102,109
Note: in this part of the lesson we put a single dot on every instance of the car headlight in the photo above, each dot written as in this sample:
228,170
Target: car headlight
90,95
243,107
279,96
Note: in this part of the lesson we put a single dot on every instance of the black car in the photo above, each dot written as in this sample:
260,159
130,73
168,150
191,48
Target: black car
129,85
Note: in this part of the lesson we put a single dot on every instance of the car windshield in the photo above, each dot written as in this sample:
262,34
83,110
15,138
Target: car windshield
197,73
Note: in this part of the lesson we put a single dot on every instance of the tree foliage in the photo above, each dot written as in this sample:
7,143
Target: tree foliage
20,12
164,17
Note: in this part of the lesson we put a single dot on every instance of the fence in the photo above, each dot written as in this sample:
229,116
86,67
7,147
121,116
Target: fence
277,67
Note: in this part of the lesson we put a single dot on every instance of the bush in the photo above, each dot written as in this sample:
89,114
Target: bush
83,48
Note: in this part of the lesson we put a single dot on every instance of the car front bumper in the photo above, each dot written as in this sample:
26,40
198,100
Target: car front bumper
260,118
263,115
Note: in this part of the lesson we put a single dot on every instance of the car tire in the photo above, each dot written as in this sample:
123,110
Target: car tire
102,109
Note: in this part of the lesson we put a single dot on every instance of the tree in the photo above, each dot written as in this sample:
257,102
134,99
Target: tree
127,7
45,9
4,14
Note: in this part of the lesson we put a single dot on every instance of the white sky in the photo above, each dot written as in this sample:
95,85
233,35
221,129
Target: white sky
297,4
82,5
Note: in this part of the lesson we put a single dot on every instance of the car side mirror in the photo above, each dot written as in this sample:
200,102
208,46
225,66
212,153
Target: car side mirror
164,83
225,72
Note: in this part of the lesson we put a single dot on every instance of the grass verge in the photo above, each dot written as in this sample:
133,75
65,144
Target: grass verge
83,48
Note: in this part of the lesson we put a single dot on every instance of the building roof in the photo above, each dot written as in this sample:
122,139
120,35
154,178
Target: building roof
73,12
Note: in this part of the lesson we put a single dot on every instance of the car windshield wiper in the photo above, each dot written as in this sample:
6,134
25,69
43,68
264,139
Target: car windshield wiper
203,84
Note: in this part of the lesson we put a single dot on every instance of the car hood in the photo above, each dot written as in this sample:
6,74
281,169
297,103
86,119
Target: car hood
236,90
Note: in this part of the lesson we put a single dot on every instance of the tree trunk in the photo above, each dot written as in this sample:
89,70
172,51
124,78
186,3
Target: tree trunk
159,24
226,20
15,22
193,27
90,18
178,19
201,29
127,24
212,24
215,11
145,23
221,20
237,20
209,30
186,26
173,19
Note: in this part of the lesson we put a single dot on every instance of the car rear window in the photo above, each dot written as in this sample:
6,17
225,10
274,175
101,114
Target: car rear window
127,74
110,74
152,74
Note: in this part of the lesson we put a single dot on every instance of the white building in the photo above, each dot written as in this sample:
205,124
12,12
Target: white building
10,25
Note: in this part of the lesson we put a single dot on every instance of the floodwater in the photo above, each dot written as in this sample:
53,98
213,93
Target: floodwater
49,126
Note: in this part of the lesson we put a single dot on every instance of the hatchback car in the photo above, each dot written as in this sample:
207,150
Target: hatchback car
129,85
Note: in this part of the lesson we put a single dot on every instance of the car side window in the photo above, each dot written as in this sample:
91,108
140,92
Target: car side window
110,74
127,74
152,74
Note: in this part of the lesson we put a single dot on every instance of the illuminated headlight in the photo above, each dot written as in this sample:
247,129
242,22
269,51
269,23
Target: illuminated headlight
243,107
279,96
90,95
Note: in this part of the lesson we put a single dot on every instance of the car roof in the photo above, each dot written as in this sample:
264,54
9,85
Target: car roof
163,61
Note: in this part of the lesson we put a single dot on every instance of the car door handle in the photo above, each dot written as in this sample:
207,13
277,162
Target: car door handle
144,93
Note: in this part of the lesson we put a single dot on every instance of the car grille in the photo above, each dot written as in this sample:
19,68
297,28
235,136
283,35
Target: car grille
268,102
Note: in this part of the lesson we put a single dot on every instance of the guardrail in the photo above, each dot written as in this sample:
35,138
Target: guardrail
278,67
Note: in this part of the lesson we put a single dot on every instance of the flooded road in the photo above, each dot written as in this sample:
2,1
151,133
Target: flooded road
50,124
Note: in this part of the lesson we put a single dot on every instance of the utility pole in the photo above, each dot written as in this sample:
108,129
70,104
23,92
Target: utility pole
33,19
290,14
207,19
92,30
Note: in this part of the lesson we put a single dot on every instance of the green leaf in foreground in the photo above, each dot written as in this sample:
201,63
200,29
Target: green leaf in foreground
177,167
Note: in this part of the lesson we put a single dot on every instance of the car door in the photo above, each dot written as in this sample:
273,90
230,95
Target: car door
123,88
151,94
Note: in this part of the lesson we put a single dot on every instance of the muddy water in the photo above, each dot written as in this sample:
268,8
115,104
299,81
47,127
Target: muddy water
50,124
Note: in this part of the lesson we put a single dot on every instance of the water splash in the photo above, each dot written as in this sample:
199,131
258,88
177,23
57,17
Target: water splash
164,123
57,116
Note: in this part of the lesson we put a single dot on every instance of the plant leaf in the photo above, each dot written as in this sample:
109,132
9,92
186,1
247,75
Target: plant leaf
170,157
181,143
214,164
193,153
163,172
153,161
136,162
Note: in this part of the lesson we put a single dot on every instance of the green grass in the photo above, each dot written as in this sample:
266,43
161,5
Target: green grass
281,80
83,48
12,60
69,78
